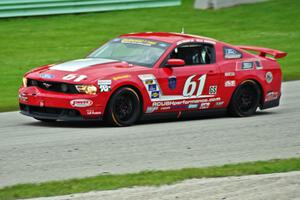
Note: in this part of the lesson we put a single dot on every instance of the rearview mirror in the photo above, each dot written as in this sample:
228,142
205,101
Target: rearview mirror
175,62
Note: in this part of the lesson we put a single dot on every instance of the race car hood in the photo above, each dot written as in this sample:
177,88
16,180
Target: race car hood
92,68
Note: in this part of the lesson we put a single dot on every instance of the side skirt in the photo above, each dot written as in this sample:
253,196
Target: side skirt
184,114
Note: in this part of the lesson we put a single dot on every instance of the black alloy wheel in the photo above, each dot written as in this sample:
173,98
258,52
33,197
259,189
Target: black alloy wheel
245,99
124,107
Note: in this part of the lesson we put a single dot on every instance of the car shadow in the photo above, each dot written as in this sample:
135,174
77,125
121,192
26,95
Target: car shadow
154,119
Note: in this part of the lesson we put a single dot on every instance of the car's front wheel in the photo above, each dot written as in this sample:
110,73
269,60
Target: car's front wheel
245,99
124,107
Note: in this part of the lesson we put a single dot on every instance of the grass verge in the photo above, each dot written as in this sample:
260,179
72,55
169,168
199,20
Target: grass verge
147,178
29,42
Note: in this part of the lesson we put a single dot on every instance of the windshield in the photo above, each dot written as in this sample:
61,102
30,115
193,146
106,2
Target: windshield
135,51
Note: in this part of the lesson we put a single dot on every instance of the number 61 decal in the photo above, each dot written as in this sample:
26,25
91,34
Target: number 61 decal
190,86
76,77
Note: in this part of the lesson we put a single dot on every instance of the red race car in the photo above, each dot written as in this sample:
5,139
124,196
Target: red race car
143,74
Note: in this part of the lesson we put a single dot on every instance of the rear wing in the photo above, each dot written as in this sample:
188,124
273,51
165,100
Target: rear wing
264,51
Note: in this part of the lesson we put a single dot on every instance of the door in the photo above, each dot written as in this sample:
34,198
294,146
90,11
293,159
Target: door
197,79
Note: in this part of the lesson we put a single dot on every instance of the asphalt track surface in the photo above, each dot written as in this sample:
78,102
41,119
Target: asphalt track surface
31,151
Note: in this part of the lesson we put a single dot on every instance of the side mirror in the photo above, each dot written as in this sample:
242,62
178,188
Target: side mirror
175,62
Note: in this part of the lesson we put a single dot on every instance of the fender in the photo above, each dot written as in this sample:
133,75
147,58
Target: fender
134,84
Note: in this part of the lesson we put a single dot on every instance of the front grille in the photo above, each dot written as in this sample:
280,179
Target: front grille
53,86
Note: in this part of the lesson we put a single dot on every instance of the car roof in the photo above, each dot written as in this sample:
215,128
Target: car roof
165,37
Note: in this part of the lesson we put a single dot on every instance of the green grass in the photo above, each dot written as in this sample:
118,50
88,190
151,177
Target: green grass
148,178
26,43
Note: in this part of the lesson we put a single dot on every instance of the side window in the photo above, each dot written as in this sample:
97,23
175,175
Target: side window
194,53
230,53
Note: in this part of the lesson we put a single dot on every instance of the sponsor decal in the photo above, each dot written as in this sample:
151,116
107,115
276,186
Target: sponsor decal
192,106
149,81
258,65
155,95
163,45
272,96
151,109
144,42
213,89
93,112
121,77
229,74
195,40
247,65
104,85
220,103
74,77
47,76
192,88
165,108
230,53
230,83
269,77
179,107
204,105
138,41
80,103
42,103
172,82
185,102
152,87
185,41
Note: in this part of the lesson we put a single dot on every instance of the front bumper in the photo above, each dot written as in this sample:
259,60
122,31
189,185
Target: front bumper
42,104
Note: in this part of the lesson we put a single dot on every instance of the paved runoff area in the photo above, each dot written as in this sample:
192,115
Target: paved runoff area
283,186
31,151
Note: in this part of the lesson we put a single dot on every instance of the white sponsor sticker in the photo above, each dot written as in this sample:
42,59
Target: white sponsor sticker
272,96
93,112
185,102
220,103
192,106
81,103
151,109
213,89
229,74
104,85
204,105
269,77
230,83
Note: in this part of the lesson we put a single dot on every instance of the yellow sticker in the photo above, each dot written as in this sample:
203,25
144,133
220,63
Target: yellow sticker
121,77
139,41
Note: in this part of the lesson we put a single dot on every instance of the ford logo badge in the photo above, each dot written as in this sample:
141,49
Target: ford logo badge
47,76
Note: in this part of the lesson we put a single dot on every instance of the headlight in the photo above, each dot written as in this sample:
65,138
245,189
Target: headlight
24,82
87,89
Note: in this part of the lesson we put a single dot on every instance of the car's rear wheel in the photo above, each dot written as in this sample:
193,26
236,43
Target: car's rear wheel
245,99
124,107
45,120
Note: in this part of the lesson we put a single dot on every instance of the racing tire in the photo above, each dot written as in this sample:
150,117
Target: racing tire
124,107
45,120
245,99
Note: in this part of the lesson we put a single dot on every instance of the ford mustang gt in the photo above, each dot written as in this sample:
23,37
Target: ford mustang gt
143,74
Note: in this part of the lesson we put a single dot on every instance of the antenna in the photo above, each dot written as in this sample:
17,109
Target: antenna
182,30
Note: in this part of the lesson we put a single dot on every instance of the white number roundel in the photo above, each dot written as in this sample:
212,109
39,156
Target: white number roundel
190,86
